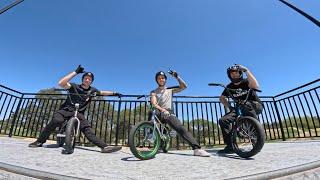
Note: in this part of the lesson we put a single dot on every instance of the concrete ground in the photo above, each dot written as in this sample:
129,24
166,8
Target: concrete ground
282,160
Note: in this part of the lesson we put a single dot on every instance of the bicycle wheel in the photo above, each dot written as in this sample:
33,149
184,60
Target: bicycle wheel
70,139
144,142
248,137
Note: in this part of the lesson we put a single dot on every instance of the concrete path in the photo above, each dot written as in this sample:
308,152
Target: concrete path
274,161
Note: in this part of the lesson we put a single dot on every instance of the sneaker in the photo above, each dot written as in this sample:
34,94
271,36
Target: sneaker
35,144
110,149
226,150
69,151
200,152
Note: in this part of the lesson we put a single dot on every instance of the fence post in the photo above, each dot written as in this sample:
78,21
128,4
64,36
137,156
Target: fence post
15,116
118,122
176,109
279,118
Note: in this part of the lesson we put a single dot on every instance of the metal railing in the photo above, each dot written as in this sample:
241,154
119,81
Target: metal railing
293,114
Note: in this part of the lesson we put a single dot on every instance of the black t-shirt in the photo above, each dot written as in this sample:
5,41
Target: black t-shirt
241,91
79,95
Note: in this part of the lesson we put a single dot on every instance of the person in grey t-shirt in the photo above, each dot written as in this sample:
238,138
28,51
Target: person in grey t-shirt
161,98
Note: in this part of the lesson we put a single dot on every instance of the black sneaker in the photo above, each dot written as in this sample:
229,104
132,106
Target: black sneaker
35,144
69,151
226,150
110,149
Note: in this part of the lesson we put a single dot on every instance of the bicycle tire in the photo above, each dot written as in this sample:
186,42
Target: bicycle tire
70,139
135,142
255,127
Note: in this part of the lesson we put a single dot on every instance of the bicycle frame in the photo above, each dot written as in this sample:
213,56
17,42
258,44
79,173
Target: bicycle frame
154,119
74,116
76,111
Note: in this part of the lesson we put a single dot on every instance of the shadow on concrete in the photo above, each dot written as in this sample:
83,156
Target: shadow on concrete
131,159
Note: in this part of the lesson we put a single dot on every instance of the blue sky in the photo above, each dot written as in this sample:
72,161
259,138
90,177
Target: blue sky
125,42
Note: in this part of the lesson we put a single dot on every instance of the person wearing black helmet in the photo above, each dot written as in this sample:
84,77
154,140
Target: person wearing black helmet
252,108
161,98
79,93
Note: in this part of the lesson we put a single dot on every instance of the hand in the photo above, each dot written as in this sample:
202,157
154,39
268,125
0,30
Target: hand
165,113
79,69
94,94
173,73
242,68
117,94
231,109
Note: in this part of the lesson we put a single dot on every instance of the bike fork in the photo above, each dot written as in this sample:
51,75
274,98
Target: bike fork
78,126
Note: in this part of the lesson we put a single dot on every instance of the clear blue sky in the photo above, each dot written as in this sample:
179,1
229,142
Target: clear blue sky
125,42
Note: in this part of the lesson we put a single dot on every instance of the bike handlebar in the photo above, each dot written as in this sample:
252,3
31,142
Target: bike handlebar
92,95
216,84
144,95
229,89
258,90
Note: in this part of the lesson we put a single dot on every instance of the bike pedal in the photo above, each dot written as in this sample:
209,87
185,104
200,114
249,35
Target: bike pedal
61,135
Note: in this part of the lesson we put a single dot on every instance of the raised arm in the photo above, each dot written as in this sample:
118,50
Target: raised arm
64,82
182,84
253,83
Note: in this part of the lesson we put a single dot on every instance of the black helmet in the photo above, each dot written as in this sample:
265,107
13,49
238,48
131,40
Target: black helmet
160,73
88,74
235,68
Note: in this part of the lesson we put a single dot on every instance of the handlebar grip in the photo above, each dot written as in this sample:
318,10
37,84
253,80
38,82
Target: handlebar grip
258,90
214,84
93,94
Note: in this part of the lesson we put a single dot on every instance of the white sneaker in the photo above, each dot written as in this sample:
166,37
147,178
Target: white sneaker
200,152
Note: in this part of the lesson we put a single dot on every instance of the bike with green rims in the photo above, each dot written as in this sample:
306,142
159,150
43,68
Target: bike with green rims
146,138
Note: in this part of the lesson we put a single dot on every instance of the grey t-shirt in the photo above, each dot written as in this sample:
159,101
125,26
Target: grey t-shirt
164,97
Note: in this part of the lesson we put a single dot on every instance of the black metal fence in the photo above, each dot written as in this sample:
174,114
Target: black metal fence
293,114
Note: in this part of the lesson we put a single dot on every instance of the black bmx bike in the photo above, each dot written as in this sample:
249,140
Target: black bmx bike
247,134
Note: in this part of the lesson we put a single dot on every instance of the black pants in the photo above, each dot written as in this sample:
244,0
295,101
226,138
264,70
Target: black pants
175,124
60,117
251,108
